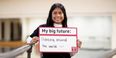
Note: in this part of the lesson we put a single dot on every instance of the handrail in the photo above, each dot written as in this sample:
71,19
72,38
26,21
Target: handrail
109,54
16,52
24,48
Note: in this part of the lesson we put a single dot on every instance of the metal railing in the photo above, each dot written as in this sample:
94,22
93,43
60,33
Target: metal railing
16,52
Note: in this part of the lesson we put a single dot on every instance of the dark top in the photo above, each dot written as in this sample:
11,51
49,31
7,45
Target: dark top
36,32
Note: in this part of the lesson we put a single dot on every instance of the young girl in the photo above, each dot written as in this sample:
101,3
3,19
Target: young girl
57,18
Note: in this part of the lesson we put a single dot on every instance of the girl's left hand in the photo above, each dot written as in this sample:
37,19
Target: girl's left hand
79,43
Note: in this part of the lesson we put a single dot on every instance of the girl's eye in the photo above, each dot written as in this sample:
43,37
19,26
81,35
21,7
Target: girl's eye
60,12
55,12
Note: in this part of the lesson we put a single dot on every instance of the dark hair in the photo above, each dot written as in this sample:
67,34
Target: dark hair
49,19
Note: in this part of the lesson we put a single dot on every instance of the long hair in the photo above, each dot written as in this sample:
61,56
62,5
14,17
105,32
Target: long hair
49,19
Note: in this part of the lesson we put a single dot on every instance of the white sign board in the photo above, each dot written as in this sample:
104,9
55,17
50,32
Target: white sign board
57,39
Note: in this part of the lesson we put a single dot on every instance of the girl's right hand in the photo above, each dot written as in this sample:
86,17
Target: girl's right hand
35,39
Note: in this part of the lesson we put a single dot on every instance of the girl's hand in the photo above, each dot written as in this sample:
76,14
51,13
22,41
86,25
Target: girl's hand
79,43
35,39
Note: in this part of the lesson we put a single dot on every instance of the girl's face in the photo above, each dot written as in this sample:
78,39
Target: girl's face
57,16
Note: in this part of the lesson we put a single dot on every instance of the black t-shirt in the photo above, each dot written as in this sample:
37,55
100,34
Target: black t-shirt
36,31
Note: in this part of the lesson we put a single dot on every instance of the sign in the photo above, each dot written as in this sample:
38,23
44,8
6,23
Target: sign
57,39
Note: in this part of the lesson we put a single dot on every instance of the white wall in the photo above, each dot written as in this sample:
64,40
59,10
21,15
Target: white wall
94,31
30,8
113,31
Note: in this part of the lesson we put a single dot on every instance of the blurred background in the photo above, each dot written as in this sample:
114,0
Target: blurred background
95,20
